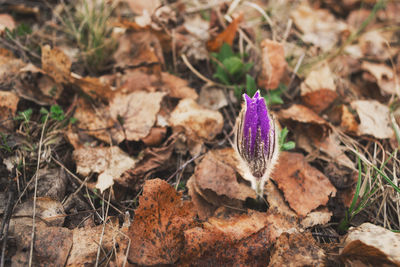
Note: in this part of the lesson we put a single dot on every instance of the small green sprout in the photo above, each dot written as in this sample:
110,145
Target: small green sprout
282,141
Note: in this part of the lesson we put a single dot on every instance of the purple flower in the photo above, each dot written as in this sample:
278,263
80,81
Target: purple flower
256,141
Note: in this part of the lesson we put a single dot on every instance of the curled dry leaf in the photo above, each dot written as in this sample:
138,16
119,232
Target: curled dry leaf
305,188
297,249
199,123
273,64
348,122
319,26
384,76
371,244
318,90
97,122
154,160
374,118
227,36
160,220
304,120
93,87
215,183
8,107
109,162
137,111
374,45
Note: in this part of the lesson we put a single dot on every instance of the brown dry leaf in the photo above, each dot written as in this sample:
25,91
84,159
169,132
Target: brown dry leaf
372,244
160,220
86,242
301,114
138,112
348,122
138,49
331,146
235,240
213,173
155,137
273,64
97,122
375,45
56,64
384,76
109,162
93,87
212,98
304,121
193,37
319,217
52,246
154,160
199,123
9,67
227,36
8,107
140,6
319,26
374,118
178,88
297,249
215,183
318,90
6,21
304,187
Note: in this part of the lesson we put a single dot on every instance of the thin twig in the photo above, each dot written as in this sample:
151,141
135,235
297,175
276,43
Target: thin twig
35,192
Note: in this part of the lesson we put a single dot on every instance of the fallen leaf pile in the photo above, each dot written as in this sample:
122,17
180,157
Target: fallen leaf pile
117,128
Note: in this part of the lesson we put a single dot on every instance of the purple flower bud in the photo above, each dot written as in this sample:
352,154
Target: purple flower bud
256,141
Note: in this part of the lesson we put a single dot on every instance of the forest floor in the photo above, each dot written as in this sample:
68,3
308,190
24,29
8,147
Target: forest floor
117,128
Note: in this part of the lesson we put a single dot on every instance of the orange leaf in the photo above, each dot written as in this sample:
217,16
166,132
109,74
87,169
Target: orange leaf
227,36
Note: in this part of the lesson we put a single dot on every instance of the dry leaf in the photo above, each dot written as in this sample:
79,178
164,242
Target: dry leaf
234,240
86,242
52,246
212,173
93,87
319,217
227,36
108,162
56,64
375,45
212,98
138,49
178,88
8,107
273,64
155,137
348,122
374,118
154,160
304,187
372,244
318,90
195,33
319,26
139,6
157,230
331,146
203,208
199,123
138,112
6,21
297,249
384,76
97,122
304,121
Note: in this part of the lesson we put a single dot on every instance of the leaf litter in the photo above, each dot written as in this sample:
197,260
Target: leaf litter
131,163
